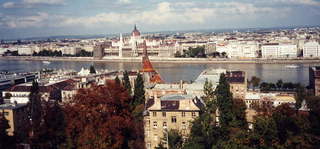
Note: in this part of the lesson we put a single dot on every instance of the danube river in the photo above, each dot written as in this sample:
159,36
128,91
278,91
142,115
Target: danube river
173,72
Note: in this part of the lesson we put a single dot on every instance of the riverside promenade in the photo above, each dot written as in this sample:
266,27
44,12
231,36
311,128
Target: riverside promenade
167,60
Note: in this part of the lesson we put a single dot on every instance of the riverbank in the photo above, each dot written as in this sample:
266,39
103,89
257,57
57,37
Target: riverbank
166,60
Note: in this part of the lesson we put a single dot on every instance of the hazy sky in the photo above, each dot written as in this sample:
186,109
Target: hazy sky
34,18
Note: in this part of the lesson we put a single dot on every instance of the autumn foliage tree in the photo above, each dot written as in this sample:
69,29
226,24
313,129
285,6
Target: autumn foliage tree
99,118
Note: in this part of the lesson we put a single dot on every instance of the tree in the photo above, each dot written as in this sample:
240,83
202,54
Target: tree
51,134
92,69
177,54
174,139
255,81
139,93
224,101
209,98
6,141
300,96
99,118
7,95
35,110
126,82
239,112
279,84
117,80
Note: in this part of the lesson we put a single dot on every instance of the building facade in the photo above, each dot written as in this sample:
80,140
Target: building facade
311,49
314,79
17,116
170,112
276,50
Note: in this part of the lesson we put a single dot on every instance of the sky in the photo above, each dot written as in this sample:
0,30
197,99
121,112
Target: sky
43,18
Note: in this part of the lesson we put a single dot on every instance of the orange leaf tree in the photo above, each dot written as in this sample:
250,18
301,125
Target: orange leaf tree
99,118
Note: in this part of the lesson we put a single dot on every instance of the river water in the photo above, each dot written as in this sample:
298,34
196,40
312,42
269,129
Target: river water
172,72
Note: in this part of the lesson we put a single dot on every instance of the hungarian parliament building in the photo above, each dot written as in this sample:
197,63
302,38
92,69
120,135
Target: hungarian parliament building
132,46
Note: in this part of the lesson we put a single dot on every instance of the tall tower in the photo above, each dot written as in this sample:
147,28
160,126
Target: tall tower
150,75
120,45
135,36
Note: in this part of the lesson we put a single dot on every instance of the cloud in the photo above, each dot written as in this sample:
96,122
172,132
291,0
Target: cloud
303,2
49,2
166,13
124,1
32,3
37,20
8,5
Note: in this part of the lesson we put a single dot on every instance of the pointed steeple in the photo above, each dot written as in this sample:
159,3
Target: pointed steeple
154,77
147,66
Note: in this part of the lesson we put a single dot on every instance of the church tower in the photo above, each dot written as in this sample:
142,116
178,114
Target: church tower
120,45
150,74
135,38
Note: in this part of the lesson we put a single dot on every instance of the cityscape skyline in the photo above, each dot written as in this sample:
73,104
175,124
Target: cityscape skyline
39,18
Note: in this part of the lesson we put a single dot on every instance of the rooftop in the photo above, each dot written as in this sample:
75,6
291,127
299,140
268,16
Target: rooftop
175,97
11,106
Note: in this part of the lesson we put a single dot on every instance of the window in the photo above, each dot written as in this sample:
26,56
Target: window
149,146
5,113
164,124
184,125
173,119
164,114
183,114
193,114
154,114
155,125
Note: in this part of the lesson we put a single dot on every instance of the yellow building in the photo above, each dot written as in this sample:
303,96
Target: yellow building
17,116
169,112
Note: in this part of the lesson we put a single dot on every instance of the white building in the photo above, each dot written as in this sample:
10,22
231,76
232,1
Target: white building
276,50
25,50
239,49
311,49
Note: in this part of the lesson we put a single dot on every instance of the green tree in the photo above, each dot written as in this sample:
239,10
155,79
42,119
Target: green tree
224,101
239,113
126,82
92,69
52,133
255,81
139,93
279,84
177,54
174,138
300,96
117,80
35,112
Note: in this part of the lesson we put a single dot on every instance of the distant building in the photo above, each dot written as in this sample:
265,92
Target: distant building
239,49
314,79
238,83
98,52
17,116
49,91
276,50
311,49
170,112
275,98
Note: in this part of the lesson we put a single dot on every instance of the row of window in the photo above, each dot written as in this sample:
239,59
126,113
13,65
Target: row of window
164,114
164,124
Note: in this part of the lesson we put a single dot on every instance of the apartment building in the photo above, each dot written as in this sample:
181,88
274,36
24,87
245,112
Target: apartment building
169,112
311,49
314,79
17,116
276,50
